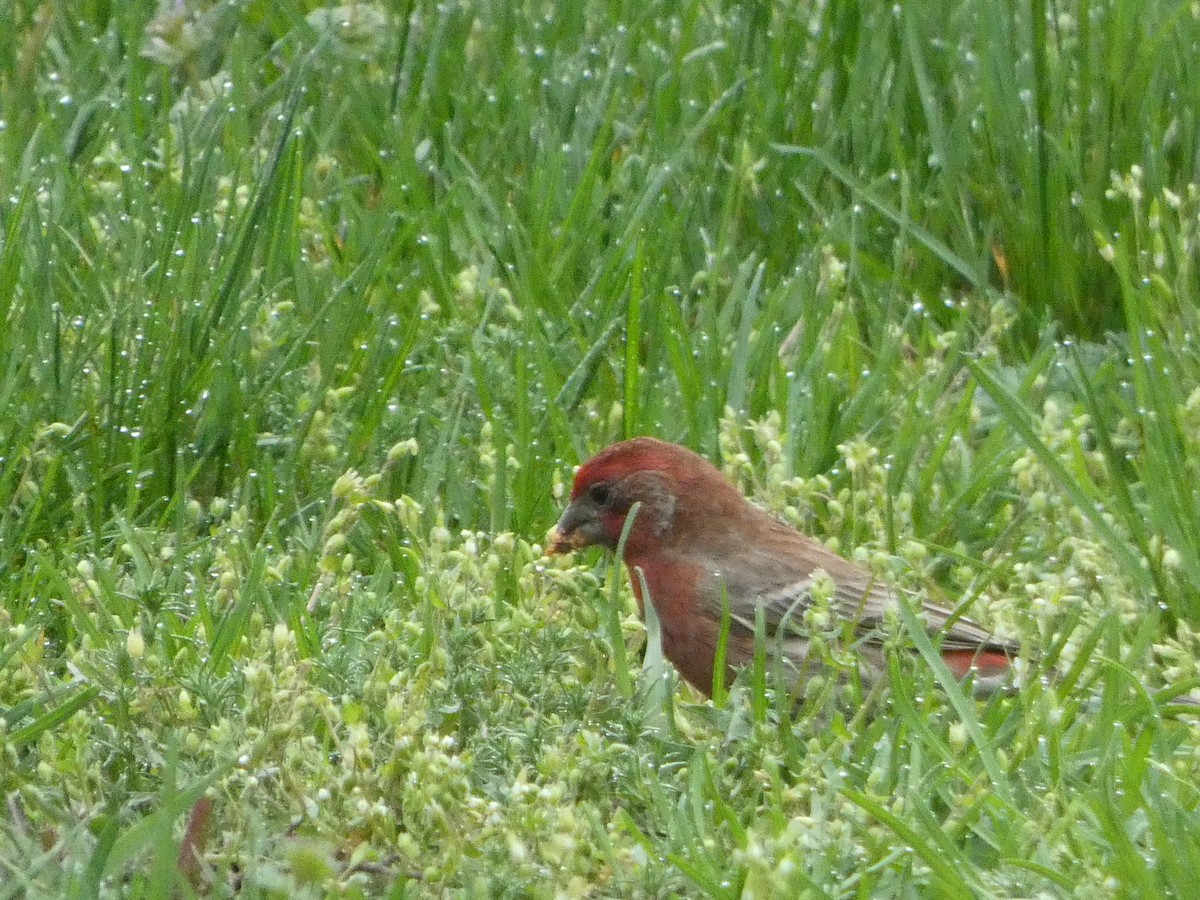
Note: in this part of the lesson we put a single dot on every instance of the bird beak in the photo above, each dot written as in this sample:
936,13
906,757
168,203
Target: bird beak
557,542
567,535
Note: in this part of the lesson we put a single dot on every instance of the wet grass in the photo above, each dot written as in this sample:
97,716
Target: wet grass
309,313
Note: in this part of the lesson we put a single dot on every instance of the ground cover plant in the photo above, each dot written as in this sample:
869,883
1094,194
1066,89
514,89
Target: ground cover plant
308,312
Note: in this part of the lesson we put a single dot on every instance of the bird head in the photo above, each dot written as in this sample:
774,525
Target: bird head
646,471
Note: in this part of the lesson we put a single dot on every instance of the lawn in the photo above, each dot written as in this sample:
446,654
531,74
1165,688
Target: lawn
309,312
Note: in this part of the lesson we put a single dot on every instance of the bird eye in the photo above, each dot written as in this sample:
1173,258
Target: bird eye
600,494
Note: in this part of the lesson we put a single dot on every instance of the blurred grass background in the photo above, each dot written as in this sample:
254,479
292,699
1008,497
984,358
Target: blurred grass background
922,277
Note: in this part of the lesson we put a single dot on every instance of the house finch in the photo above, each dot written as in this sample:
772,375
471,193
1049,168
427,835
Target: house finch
700,545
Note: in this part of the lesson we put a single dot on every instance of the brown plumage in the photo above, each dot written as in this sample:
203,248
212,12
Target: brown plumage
699,543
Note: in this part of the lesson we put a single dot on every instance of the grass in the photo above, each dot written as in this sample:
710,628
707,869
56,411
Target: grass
308,314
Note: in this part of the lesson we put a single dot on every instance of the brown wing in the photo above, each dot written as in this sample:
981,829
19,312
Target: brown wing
858,597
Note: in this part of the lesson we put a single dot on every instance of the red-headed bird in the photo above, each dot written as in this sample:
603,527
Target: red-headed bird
699,545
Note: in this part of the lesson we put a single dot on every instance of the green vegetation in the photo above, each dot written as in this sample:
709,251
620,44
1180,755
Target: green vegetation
308,312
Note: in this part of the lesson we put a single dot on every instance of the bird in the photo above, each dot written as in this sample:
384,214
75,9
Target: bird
697,547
